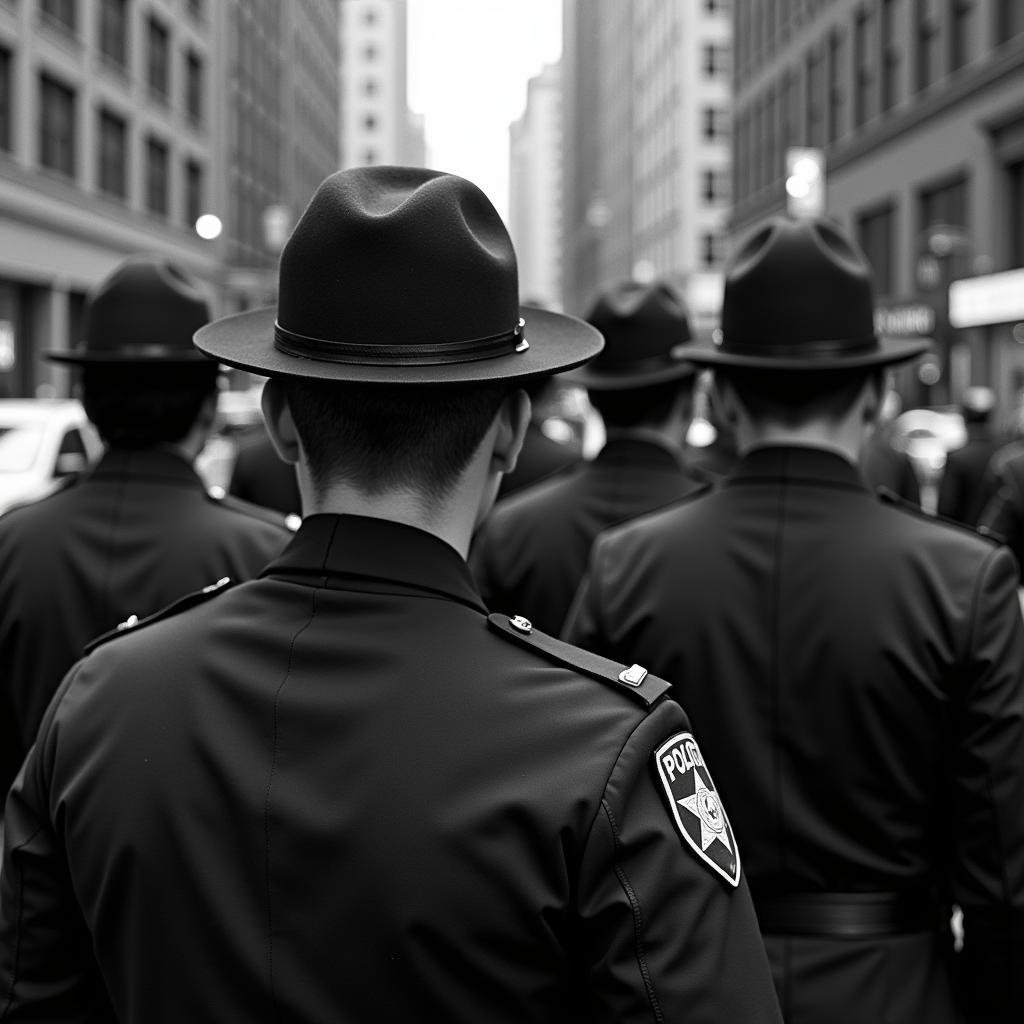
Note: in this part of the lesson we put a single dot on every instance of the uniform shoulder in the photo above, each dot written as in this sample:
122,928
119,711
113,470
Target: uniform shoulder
239,506
33,505
133,623
633,680
938,522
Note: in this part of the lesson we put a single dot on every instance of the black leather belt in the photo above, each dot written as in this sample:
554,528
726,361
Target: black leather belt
847,915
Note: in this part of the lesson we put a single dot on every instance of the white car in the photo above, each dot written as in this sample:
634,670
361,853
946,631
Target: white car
42,440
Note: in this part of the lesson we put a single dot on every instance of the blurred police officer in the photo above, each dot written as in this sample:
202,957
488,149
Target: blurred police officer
532,551
139,529
962,493
341,792
855,669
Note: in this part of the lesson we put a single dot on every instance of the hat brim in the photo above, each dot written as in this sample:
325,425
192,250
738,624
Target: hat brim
125,358
557,342
592,380
888,352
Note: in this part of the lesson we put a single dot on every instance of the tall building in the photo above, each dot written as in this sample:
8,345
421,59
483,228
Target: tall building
281,93
535,190
108,131
376,124
121,122
917,108
647,155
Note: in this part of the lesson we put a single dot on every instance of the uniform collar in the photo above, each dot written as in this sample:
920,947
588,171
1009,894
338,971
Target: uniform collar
367,551
164,464
796,462
644,447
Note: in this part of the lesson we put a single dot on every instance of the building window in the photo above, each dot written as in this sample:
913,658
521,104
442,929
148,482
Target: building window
815,85
194,87
1009,20
370,122
961,32
889,94
113,155
157,173
711,249
6,99
114,31
944,204
370,52
370,16
1015,175
863,49
715,124
928,49
56,126
194,188
369,157
836,92
716,6
715,60
715,185
370,87
876,234
195,9
159,69
60,12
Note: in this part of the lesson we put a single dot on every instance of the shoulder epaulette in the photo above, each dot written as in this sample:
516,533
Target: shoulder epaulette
634,680
890,497
260,512
133,622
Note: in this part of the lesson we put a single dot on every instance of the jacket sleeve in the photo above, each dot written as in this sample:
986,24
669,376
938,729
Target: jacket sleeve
583,623
988,800
665,937
47,968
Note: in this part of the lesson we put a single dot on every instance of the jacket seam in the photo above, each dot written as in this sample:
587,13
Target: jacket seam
638,919
21,911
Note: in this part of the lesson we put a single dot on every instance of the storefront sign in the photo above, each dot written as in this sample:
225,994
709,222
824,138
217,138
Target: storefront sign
990,299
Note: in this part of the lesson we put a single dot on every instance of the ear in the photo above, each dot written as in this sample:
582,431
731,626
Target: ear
512,420
278,417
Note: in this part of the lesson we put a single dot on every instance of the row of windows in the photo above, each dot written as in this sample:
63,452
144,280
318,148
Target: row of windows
57,152
854,74
948,33
65,12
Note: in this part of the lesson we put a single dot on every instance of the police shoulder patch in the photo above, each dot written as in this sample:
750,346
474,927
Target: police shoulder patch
696,806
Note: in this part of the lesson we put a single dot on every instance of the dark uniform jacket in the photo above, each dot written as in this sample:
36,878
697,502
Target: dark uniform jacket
539,458
962,489
532,552
131,536
856,673
338,793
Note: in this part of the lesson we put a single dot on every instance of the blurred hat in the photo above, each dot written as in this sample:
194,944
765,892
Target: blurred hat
399,275
798,296
978,401
646,337
145,311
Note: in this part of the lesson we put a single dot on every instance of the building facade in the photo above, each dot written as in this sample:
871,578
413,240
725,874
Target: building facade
918,108
535,190
647,146
375,122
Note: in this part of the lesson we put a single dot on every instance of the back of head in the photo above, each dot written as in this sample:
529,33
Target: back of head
797,338
642,370
143,381
398,331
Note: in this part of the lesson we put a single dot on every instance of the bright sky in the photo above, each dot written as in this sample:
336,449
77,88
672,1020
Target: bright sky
469,62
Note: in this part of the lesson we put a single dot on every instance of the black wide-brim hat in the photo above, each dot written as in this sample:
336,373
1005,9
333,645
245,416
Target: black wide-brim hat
798,296
399,275
145,311
647,336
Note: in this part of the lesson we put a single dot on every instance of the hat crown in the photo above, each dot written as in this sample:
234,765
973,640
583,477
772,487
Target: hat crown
397,256
639,322
798,288
148,307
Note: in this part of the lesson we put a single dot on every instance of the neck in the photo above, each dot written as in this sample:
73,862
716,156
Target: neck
846,437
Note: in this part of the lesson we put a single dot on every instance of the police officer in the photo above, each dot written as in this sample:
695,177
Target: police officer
139,529
962,490
341,791
855,669
532,551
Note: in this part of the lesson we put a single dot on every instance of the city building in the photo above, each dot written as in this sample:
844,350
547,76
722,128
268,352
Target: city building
122,122
535,190
917,107
647,146
376,124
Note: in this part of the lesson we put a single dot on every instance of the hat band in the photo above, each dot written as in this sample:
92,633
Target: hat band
325,350
811,349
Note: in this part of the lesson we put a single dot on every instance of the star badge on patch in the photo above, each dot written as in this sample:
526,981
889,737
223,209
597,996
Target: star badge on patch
696,806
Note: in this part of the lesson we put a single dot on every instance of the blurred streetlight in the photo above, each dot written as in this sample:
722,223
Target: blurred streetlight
209,226
805,182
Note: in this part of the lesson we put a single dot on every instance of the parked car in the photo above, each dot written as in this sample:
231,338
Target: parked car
42,441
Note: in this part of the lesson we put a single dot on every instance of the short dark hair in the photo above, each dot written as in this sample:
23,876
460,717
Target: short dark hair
794,396
143,405
638,407
382,436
